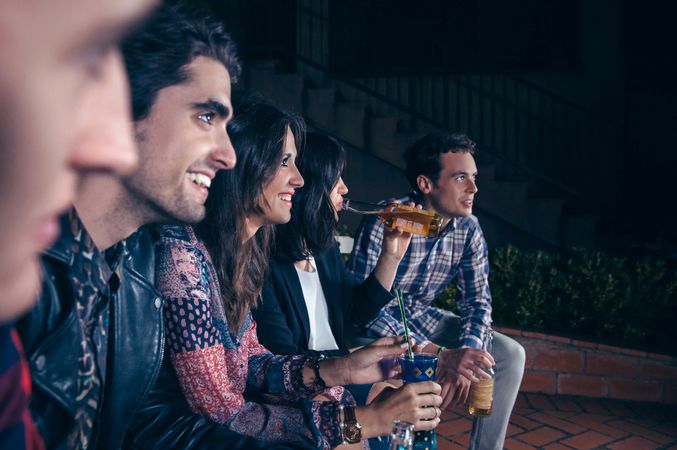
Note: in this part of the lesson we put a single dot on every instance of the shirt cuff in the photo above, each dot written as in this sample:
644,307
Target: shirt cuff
471,342
296,376
326,418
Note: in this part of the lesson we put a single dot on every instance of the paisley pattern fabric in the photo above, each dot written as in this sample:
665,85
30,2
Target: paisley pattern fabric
95,277
226,375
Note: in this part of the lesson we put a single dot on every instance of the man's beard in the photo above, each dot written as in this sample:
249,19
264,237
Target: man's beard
177,211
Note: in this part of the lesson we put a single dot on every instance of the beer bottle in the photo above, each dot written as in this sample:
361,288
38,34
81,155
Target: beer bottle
407,218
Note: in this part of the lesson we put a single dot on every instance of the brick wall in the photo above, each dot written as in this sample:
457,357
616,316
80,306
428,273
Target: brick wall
559,365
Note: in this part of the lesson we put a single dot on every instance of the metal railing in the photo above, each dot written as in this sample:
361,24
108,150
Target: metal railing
535,134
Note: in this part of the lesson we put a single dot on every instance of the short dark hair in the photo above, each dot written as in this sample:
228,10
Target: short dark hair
158,53
313,225
423,157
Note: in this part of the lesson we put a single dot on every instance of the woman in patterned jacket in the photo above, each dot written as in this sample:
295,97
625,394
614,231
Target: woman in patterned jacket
212,277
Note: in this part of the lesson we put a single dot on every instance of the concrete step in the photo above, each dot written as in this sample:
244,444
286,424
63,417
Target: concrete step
392,149
485,172
375,173
370,179
381,135
544,216
283,89
289,91
320,107
268,64
259,79
350,122
507,199
539,217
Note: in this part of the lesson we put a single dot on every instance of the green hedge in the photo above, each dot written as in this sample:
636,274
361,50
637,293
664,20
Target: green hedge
584,294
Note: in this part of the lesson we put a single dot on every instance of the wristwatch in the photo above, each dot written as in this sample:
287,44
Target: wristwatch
351,430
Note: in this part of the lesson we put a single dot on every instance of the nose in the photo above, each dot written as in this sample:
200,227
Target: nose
472,186
224,156
342,188
296,179
103,139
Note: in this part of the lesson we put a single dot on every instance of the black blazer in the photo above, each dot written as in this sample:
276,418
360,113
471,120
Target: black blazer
282,322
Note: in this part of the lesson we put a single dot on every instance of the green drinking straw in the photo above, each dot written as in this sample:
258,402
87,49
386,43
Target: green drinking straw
410,352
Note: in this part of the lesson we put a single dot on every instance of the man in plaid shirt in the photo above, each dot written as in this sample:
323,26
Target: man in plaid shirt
442,171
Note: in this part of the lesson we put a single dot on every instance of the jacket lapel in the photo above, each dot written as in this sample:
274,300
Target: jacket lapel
331,288
291,279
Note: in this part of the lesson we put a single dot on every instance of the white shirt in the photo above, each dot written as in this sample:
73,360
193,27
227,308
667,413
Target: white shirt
321,337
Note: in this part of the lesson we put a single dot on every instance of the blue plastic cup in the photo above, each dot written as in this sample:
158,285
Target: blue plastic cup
422,368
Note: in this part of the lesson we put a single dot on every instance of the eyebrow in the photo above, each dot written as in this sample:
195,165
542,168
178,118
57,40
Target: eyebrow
213,105
460,172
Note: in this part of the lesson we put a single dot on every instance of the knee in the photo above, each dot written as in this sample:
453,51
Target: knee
517,355
512,355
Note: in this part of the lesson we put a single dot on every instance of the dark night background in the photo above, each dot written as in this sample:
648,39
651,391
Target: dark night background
614,60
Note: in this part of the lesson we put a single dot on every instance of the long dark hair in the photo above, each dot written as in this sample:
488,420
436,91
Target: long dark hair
313,226
257,132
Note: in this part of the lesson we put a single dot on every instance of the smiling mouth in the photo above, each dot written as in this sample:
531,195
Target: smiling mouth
467,203
200,179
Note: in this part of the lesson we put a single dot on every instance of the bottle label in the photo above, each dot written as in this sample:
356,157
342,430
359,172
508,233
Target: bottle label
481,394
410,226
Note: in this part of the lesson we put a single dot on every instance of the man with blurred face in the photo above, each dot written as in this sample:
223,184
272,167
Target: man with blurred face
100,272
64,110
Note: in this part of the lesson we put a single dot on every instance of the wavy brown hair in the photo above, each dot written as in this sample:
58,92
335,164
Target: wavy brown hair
257,132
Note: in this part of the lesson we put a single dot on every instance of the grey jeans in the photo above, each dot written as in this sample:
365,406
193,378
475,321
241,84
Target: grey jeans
489,432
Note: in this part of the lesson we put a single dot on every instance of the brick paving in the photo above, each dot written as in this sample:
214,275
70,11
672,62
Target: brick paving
561,422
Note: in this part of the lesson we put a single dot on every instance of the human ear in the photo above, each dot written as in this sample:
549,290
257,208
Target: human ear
425,184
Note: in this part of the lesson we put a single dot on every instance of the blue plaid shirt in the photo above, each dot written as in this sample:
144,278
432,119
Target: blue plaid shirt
430,264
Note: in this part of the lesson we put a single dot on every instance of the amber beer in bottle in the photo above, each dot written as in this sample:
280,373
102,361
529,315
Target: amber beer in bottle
407,218
481,398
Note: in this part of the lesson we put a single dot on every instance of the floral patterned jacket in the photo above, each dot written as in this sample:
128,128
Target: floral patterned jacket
220,371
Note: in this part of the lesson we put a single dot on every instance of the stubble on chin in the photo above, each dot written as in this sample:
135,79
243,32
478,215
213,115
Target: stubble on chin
188,214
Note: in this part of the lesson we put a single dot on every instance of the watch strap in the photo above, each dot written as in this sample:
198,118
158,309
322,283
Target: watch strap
351,430
349,414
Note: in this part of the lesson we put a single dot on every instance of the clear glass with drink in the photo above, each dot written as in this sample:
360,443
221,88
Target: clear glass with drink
402,436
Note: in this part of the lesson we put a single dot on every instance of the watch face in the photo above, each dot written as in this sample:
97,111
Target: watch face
352,433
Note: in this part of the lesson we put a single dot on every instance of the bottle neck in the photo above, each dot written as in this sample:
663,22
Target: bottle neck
361,207
487,346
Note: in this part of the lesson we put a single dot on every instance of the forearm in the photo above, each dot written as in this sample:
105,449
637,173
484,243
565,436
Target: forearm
368,300
474,328
474,307
431,348
373,424
332,371
386,269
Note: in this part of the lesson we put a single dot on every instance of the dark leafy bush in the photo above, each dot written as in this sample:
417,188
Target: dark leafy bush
586,294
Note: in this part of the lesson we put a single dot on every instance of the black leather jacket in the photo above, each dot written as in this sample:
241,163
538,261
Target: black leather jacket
143,406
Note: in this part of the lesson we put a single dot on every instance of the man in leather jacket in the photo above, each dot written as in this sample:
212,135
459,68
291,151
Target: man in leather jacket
63,92
95,340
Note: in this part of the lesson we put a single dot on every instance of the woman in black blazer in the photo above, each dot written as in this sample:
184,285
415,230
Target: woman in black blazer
307,272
